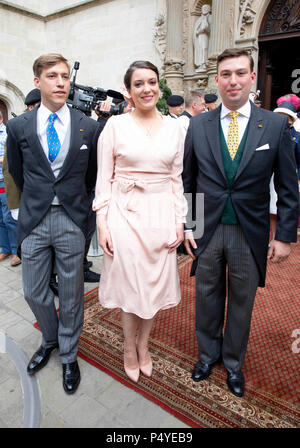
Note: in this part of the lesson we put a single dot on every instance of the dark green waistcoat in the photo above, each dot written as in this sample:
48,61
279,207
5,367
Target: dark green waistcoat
231,167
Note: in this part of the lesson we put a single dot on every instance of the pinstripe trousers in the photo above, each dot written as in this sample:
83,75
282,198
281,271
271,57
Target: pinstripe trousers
57,231
226,265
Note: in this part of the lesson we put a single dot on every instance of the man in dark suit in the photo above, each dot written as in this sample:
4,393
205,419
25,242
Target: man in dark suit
52,156
230,155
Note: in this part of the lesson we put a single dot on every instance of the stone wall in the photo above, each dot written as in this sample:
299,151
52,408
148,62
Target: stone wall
104,36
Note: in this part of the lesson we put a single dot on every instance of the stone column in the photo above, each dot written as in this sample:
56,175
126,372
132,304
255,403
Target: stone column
221,35
173,66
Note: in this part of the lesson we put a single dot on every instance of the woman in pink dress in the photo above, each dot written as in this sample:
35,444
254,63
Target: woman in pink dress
140,213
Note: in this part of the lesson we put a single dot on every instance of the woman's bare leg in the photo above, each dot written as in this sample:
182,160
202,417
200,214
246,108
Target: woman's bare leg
130,324
144,357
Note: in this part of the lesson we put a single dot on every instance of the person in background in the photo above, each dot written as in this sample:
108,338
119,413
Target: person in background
210,101
8,225
175,105
295,100
33,99
194,105
287,109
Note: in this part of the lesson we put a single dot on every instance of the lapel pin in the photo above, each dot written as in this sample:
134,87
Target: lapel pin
260,125
81,130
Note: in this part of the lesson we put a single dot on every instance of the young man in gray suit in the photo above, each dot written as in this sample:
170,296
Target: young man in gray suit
230,155
52,156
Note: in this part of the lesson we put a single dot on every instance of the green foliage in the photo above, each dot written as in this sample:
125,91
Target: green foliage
166,92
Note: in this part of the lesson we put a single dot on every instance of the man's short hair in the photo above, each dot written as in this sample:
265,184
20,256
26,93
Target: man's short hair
192,95
235,53
48,60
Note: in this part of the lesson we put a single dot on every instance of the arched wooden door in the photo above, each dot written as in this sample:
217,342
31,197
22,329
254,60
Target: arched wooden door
279,55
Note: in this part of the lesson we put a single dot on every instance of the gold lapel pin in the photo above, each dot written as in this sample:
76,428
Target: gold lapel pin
81,130
260,125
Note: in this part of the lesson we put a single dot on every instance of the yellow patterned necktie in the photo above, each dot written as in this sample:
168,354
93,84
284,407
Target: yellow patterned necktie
233,135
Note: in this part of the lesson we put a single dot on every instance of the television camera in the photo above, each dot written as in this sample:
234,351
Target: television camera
86,99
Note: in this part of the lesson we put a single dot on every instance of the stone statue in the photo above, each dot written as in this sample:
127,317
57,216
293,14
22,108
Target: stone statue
160,34
201,38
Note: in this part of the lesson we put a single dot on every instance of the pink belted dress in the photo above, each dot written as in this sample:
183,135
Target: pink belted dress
139,189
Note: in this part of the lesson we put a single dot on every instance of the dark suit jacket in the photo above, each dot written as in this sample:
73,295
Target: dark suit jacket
13,194
33,175
204,173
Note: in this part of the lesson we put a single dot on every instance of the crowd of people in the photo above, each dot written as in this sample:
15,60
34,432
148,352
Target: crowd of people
131,173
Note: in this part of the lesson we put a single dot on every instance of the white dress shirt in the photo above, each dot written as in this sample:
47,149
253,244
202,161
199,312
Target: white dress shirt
243,119
61,124
184,121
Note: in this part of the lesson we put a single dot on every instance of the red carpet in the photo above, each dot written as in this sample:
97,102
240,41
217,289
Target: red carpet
271,366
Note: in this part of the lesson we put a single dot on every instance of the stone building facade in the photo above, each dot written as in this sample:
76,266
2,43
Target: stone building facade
182,37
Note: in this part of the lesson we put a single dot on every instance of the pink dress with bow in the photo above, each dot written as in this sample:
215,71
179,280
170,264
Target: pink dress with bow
139,188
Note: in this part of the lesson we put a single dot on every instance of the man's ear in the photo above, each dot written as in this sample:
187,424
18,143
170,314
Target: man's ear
253,77
36,82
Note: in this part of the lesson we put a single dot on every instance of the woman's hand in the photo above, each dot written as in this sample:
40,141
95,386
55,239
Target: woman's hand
180,238
104,237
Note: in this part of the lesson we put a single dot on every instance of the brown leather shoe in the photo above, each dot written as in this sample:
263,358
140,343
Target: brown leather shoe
15,260
3,256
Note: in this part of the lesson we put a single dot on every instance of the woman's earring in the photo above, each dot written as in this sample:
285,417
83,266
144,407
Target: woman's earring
125,92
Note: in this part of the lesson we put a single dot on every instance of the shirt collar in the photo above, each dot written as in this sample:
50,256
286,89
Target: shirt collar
63,114
245,110
2,127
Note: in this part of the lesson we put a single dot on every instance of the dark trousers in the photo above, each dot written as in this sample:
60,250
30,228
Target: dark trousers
226,265
56,232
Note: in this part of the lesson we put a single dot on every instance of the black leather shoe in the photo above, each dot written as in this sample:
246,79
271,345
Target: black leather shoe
236,383
71,377
40,359
91,277
53,285
201,371
87,265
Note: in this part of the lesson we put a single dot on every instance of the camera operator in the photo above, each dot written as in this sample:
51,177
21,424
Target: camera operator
105,110
102,112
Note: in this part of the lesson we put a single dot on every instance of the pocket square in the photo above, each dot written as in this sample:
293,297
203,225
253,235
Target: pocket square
263,147
83,147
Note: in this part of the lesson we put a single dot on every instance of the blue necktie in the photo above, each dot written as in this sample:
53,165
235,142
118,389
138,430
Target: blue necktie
52,138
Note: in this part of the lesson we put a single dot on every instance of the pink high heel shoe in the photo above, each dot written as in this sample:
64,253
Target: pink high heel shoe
132,374
146,368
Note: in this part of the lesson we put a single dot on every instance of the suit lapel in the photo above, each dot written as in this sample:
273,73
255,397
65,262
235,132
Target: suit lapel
75,142
256,129
213,137
34,142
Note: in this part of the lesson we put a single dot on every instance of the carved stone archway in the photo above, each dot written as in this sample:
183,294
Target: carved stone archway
12,97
